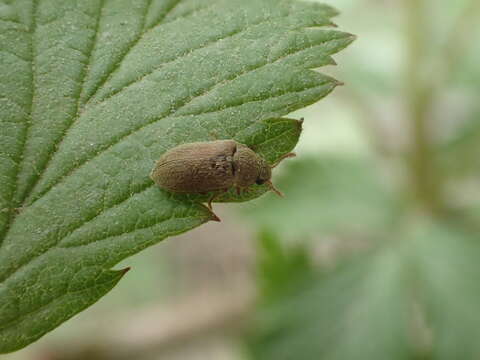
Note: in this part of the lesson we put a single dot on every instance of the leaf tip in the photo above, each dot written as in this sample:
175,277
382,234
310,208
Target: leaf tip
124,271
329,11
299,125
351,37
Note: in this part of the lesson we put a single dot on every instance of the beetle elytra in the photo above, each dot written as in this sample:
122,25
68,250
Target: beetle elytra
201,167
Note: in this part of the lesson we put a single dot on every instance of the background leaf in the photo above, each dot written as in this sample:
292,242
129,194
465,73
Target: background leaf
93,92
414,296
358,309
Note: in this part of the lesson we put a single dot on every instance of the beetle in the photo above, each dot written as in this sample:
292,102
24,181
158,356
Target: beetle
201,167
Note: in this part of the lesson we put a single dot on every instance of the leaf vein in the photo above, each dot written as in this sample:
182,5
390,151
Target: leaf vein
164,235
84,75
84,222
184,54
15,55
18,319
162,221
160,20
28,121
116,66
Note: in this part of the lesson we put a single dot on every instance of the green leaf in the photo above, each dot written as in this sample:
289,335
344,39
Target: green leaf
358,310
281,268
415,297
92,92
449,289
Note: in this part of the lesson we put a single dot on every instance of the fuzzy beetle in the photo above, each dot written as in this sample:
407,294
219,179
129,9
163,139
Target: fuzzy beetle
201,167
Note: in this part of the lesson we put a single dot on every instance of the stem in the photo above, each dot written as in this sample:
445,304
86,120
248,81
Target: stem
424,178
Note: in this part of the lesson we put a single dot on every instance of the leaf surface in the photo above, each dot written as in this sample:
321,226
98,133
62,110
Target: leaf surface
92,92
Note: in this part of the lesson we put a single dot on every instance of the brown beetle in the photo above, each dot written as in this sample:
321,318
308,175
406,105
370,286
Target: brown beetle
219,165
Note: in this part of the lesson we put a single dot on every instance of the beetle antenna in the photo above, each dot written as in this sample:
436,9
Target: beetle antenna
289,155
273,188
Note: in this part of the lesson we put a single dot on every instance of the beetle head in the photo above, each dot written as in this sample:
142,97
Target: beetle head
252,168
264,172
265,175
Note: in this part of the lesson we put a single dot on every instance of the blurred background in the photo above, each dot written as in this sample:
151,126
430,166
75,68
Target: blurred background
375,251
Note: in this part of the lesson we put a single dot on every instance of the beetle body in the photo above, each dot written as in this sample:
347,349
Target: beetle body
210,166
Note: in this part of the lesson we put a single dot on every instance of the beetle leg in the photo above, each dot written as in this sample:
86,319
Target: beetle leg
211,200
289,155
209,206
215,196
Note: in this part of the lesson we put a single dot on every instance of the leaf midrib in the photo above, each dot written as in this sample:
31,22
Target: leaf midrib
28,120
84,75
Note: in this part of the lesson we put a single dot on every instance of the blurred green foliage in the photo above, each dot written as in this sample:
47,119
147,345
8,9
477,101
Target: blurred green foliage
413,296
328,195
375,254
